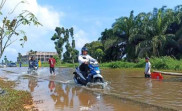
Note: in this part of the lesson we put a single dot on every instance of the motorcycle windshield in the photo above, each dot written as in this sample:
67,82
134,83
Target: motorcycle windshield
94,65
96,68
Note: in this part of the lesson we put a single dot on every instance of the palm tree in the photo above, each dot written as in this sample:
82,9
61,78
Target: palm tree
140,35
123,28
154,32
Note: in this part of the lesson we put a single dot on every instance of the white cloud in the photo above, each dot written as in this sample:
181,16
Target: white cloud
45,14
10,53
81,38
38,37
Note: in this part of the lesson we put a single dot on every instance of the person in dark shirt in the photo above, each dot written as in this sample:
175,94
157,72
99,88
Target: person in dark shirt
31,62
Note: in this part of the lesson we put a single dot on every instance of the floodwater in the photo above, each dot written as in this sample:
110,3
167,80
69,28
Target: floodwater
127,90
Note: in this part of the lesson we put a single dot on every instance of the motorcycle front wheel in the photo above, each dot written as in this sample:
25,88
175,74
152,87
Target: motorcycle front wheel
76,79
97,80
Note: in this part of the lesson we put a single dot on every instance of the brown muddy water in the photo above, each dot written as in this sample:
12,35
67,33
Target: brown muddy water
127,90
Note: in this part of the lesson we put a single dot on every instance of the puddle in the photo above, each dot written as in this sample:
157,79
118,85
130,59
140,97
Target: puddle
127,91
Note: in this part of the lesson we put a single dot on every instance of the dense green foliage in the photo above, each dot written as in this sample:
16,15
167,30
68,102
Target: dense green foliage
154,34
58,63
167,63
56,57
95,49
61,37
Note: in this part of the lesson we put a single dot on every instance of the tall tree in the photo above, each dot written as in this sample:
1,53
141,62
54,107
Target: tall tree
19,57
93,46
99,54
157,33
61,37
32,53
110,41
153,35
123,28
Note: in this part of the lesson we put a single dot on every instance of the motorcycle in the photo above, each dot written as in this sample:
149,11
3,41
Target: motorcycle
33,69
94,75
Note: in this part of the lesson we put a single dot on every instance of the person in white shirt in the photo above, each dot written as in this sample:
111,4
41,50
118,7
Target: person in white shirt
147,68
84,59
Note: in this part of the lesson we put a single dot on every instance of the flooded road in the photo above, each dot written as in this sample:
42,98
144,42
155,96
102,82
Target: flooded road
127,90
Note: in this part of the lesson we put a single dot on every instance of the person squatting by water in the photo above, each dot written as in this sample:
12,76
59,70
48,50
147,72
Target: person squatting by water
84,59
52,63
147,68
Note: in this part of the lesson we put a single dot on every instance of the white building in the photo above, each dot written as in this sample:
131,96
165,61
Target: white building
43,56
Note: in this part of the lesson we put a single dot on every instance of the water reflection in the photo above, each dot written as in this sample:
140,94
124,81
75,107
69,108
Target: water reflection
61,96
124,83
148,83
51,86
132,84
32,83
65,96
148,89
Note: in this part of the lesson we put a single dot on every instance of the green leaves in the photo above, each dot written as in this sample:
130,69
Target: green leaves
61,37
25,38
96,50
157,33
7,33
26,18
9,27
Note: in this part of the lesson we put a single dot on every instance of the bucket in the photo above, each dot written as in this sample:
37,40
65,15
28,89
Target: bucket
156,75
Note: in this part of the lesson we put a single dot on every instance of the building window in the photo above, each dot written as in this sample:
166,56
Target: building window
42,59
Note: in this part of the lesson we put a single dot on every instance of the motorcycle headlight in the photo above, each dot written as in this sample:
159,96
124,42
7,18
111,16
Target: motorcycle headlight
97,72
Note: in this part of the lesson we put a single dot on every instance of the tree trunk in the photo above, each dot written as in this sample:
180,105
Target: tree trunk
73,62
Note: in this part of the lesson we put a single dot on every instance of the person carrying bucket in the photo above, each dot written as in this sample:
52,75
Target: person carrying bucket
147,68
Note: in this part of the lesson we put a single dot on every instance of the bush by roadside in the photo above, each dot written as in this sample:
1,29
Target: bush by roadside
167,63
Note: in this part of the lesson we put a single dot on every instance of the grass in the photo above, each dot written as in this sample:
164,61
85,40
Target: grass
57,65
61,65
14,100
118,64
164,63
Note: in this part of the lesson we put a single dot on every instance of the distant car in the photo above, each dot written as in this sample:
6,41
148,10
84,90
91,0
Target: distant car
12,65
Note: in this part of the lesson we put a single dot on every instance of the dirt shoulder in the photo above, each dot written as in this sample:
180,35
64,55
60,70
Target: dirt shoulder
14,100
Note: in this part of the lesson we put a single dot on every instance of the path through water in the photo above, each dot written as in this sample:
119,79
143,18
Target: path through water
127,90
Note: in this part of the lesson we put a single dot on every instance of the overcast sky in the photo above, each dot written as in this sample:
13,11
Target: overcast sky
88,17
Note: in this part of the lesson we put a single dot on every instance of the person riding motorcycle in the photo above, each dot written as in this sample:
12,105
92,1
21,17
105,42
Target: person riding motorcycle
84,59
32,63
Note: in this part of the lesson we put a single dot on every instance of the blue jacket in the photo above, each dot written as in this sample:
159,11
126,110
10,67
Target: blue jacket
33,63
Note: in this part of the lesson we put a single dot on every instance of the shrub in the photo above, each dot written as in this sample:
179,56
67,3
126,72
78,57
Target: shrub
165,62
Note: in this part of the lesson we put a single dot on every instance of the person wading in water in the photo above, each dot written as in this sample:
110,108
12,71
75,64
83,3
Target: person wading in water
52,63
147,68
